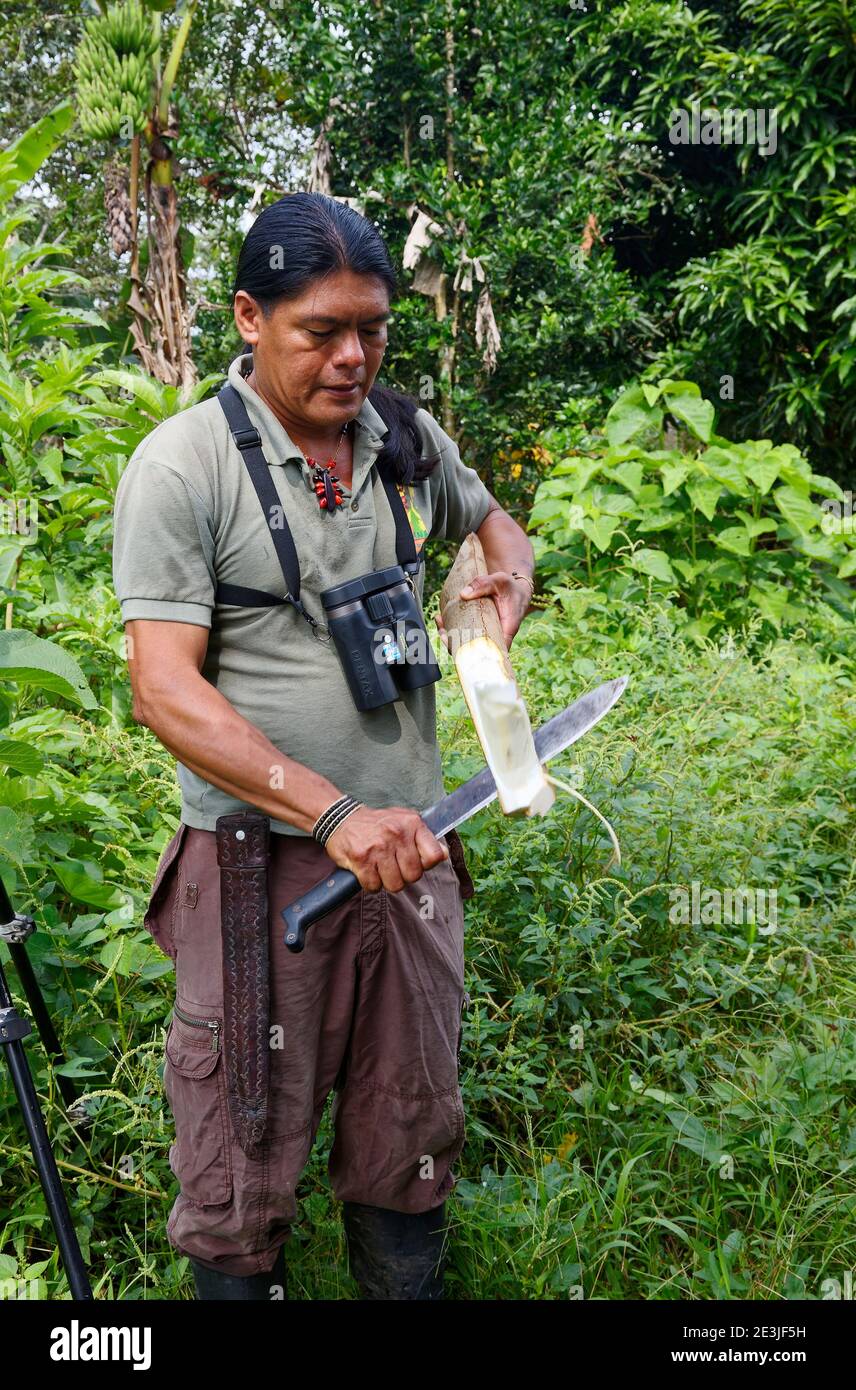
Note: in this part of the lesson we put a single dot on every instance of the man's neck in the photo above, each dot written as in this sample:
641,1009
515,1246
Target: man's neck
325,443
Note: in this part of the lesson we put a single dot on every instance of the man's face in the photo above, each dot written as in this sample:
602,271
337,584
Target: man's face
334,334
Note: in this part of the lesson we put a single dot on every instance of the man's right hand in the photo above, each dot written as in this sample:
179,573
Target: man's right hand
385,849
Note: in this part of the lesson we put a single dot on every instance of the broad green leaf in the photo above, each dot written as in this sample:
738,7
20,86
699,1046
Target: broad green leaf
23,757
693,411
83,887
78,1068
687,569
16,836
704,493
124,955
679,387
549,509
763,472
655,563
11,548
820,547
656,521
673,474
49,465
757,527
600,529
651,393
35,661
631,414
580,471
29,152
726,468
827,487
734,538
799,511
150,394
847,566
555,487
794,469
771,603
629,475
613,503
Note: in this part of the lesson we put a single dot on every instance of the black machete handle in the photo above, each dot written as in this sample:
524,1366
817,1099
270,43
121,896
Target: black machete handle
332,891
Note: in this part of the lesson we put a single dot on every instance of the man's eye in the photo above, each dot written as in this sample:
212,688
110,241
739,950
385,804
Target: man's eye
369,332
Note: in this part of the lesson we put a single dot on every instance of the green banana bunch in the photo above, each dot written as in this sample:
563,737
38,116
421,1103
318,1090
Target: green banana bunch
114,72
127,28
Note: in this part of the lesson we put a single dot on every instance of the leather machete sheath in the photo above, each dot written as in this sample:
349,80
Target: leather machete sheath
243,854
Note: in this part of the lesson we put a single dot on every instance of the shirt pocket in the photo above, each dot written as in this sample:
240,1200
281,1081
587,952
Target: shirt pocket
159,918
195,1087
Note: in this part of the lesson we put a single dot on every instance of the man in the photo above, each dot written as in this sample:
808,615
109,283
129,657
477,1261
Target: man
232,667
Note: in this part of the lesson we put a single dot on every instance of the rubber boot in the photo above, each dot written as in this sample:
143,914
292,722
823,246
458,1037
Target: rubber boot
214,1284
394,1254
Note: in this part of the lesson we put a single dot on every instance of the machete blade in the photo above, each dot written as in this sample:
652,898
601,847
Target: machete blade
552,738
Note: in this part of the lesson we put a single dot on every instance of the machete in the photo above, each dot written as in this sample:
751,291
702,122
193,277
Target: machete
552,738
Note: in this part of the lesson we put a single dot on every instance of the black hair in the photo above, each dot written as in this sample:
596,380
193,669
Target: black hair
312,235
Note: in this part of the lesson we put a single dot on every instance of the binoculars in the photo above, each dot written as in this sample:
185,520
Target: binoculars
378,631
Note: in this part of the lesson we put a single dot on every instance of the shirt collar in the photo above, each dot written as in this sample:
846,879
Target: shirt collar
276,442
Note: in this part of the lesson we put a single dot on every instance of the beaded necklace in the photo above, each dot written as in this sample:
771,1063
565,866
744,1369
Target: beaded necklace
324,481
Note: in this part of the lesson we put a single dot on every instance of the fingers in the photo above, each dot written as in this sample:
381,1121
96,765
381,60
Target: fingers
386,849
444,636
417,850
369,878
431,850
493,583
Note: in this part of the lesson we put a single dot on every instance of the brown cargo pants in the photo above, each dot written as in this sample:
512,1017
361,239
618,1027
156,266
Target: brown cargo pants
371,1008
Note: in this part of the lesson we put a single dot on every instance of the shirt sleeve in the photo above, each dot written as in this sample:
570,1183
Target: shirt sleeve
163,546
460,500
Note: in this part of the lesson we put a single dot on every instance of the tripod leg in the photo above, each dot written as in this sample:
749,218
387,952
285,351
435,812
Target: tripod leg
15,930
12,1029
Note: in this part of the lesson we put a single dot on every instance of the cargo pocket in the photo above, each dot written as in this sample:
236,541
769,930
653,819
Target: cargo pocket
195,1087
159,918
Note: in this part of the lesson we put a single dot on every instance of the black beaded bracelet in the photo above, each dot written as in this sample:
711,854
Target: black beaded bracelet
326,819
333,817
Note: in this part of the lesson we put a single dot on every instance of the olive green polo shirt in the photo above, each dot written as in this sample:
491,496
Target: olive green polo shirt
187,517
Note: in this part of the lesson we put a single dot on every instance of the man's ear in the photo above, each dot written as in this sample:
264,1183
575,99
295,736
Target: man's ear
247,317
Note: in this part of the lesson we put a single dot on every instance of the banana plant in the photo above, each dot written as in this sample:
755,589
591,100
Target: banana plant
123,93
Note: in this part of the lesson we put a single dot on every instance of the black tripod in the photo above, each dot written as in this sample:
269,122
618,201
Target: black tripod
14,930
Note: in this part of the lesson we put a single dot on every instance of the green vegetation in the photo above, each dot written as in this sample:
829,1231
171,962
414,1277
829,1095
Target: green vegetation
659,1101
730,529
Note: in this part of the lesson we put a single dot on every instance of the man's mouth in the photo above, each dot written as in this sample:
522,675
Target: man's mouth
346,390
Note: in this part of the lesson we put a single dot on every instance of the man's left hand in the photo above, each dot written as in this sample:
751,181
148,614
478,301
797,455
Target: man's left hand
513,599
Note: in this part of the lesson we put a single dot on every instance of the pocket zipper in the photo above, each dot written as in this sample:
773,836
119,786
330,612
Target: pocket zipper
211,1023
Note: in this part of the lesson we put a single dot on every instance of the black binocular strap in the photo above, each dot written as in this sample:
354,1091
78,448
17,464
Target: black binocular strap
249,441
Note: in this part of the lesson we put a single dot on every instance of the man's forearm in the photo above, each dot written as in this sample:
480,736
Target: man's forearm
206,734
505,544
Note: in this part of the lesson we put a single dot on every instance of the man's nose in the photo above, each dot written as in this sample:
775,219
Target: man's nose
349,350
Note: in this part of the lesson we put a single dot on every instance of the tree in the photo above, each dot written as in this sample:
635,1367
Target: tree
124,93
